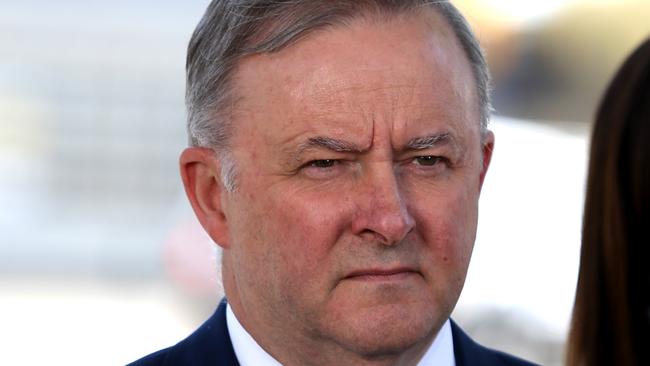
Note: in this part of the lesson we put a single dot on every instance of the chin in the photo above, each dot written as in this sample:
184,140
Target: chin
387,330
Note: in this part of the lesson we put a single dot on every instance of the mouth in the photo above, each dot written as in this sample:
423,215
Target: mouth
377,274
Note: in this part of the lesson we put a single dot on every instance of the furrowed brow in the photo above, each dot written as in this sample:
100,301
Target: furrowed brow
329,144
427,142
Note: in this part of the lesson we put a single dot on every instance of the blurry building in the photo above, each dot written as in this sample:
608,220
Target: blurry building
91,104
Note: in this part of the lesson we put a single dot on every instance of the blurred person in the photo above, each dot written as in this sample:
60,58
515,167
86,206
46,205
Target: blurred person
611,316
338,149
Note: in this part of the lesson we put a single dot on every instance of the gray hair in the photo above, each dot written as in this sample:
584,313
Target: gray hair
233,29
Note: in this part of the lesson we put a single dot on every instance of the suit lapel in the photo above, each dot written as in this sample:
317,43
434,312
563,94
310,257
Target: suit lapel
209,345
469,353
466,351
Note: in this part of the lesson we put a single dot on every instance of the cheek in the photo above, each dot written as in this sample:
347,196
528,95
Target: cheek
299,229
446,220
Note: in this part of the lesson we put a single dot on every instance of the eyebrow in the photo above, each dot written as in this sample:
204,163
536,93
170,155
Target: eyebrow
418,143
427,142
330,144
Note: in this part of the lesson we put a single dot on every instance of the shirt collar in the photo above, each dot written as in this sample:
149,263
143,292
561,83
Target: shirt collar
441,350
249,353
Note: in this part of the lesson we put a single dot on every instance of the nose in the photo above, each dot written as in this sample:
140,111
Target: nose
383,210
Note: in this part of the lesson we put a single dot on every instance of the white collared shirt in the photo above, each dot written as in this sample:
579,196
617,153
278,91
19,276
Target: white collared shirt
249,353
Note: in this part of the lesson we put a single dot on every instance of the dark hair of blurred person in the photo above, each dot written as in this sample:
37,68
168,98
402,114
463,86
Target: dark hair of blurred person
611,317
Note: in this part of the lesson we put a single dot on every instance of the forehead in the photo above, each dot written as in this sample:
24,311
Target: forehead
407,70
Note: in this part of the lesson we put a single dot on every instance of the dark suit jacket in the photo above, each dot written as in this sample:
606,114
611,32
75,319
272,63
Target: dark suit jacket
210,346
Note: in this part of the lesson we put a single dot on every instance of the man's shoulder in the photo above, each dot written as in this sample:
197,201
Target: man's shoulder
155,359
208,345
467,352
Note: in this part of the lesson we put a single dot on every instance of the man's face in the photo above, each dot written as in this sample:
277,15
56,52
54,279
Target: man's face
359,165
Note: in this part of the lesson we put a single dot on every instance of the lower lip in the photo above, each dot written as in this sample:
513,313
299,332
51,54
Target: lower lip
382,277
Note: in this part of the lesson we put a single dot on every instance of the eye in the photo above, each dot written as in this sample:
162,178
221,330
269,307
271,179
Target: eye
323,169
427,160
322,164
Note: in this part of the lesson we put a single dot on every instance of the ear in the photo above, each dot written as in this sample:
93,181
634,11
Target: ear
200,171
487,146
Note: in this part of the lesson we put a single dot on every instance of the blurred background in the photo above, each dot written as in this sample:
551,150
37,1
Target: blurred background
100,252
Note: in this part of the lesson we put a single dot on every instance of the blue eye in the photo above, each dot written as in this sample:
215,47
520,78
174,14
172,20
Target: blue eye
324,163
427,160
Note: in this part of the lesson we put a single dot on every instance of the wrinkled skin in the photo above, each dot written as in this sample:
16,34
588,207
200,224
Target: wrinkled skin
359,166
